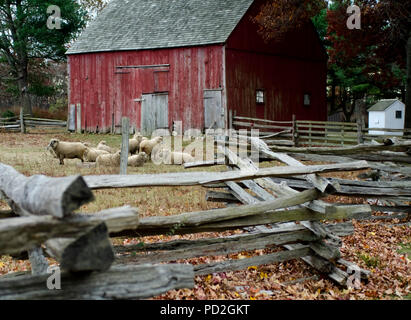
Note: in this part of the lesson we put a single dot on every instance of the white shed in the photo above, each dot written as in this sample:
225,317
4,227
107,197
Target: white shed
387,113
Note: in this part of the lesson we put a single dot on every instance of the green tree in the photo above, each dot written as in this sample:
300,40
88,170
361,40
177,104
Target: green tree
25,36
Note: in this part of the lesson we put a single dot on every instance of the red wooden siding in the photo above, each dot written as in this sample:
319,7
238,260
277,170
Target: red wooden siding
103,90
285,71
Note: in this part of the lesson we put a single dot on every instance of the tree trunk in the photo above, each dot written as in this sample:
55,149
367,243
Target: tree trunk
23,85
408,85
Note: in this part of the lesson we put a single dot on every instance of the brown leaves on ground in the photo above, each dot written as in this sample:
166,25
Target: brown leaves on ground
373,246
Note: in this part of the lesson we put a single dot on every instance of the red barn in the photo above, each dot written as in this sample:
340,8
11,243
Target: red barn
162,61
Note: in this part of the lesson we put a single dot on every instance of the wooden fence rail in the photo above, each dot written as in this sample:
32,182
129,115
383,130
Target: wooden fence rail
20,123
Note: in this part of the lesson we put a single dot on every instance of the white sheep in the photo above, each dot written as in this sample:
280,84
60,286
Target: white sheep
175,157
148,145
67,150
134,143
137,160
109,160
103,146
91,154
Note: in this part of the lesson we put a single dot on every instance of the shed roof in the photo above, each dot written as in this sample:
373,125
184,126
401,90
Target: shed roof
382,105
152,24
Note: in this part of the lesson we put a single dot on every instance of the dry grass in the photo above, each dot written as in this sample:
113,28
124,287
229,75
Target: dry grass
27,154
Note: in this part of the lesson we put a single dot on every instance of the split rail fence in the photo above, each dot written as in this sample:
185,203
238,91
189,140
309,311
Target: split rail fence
22,122
315,133
41,216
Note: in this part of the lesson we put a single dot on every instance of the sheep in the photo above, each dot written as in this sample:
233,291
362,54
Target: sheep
134,143
137,160
91,154
88,145
103,146
147,146
174,157
67,150
109,160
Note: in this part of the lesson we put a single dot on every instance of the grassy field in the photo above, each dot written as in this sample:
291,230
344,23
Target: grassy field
374,246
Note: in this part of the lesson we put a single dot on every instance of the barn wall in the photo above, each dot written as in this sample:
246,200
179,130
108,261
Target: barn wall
105,91
285,71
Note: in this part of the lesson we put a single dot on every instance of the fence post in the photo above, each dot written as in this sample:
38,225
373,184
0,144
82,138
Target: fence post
22,127
125,133
230,119
309,135
360,137
78,118
295,131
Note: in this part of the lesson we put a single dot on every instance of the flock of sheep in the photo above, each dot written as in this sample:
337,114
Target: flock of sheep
140,149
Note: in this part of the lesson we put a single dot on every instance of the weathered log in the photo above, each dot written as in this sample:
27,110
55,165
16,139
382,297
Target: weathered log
41,195
90,252
242,195
119,282
357,188
222,246
183,244
232,265
193,219
320,183
214,196
358,149
312,259
23,233
148,227
325,250
247,164
205,163
363,273
374,160
283,190
200,178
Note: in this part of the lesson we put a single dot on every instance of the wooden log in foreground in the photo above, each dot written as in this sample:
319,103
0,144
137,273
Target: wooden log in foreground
90,252
223,246
119,282
200,178
24,233
149,227
194,219
41,195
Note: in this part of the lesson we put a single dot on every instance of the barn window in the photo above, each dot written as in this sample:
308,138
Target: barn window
307,99
398,114
260,96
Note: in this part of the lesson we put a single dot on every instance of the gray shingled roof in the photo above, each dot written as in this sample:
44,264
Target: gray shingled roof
382,105
151,24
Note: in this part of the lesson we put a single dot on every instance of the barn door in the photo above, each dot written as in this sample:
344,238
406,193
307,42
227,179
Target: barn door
154,113
213,110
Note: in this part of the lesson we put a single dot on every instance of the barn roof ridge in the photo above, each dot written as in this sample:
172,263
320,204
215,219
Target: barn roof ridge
154,24
383,104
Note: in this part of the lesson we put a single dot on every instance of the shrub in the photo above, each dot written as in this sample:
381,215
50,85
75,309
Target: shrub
8,114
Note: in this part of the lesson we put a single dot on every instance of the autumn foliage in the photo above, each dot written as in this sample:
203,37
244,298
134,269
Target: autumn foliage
278,16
